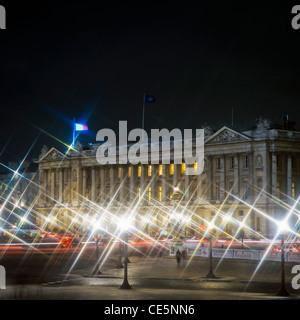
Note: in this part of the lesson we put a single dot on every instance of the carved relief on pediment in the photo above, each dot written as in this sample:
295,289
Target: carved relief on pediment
53,155
227,135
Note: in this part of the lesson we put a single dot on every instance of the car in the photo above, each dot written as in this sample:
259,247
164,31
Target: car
25,231
69,242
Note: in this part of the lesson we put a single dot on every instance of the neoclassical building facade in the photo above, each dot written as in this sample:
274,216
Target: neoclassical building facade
252,176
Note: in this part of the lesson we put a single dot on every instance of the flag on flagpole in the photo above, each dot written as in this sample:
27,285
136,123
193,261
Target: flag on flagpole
149,99
80,127
77,127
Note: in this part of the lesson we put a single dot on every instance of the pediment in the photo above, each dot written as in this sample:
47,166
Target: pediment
52,155
226,135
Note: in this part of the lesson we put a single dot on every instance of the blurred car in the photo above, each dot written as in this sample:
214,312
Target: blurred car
69,242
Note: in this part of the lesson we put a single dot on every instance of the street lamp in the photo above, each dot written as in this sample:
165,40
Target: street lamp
242,233
210,274
124,225
97,226
283,227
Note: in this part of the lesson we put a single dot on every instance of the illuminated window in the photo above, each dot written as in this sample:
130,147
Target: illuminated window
138,192
171,168
149,194
129,172
159,193
149,171
195,166
183,166
139,171
293,190
119,173
160,170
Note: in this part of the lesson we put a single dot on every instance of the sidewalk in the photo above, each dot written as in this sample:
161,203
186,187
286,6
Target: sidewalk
161,279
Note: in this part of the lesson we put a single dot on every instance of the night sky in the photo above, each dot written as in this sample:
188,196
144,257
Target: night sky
93,60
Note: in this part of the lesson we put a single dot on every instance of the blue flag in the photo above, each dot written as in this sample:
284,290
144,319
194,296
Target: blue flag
149,99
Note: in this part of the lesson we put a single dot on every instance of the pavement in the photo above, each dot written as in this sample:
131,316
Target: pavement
161,279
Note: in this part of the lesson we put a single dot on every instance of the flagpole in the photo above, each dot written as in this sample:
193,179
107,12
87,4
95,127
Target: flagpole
73,143
143,118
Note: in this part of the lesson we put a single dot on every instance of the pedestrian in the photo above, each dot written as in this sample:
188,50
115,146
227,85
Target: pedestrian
184,256
178,257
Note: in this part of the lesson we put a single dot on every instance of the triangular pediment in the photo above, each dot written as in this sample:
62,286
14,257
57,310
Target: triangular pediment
52,155
226,135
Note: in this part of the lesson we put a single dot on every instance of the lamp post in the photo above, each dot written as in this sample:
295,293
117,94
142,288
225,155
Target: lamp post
242,236
125,284
210,274
125,224
283,227
96,271
97,226
119,263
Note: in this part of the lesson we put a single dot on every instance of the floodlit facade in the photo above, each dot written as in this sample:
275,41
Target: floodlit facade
250,179
19,192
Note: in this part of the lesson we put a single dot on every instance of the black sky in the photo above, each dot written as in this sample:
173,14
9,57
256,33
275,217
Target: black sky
93,60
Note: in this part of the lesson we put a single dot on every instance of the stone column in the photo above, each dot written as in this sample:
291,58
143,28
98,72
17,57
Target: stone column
94,187
186,187
52,194
61,184
175,175
122,184
222,178
153,184
102,184
132,183
237,184
163,183
75,184
142,178
209,182
250,178
274,174
84,182
43,184
199,186
112,182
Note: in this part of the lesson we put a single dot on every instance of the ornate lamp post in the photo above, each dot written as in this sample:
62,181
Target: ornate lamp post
96,270
282,229
124,225
97,226
210,274
125,284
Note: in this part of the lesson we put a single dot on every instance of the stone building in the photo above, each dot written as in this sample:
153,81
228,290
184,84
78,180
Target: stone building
19,191
252,177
